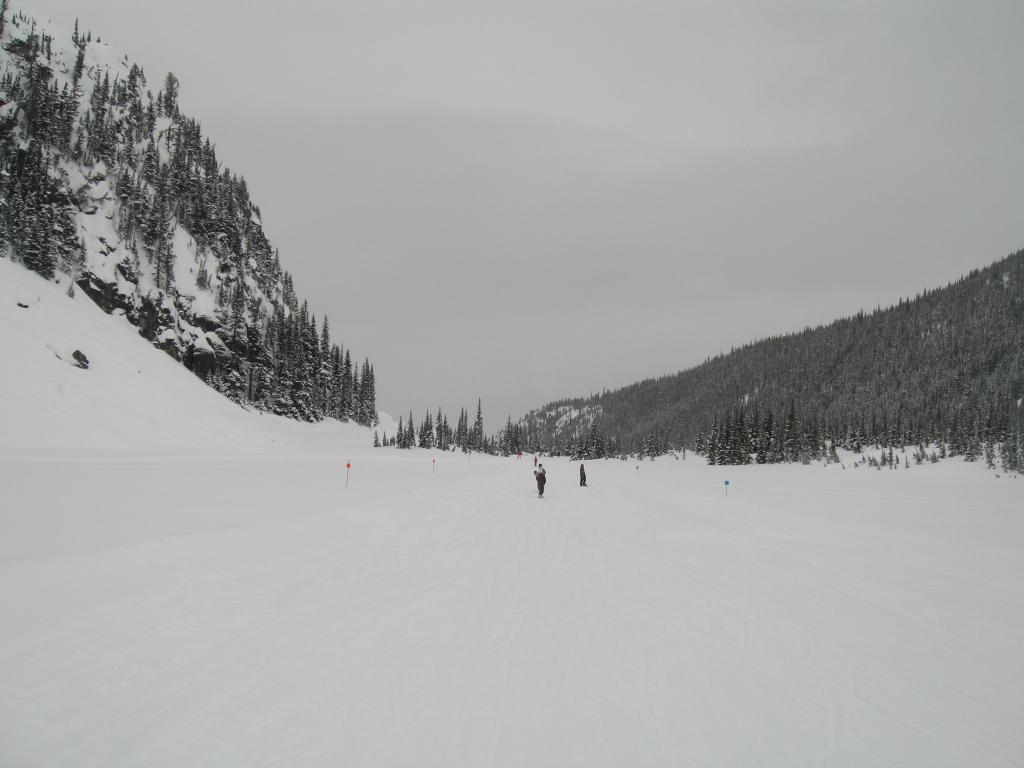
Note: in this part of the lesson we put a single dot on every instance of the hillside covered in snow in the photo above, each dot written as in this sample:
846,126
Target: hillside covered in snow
109,189
946,368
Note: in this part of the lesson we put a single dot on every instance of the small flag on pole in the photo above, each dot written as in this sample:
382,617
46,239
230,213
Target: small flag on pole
348,468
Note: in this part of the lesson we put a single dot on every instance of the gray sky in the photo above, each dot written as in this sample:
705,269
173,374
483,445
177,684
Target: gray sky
531,200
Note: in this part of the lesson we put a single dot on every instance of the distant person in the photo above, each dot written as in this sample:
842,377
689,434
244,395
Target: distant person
534,462
542,478
583,477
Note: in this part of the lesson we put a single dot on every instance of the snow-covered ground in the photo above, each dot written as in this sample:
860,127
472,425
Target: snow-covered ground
186,583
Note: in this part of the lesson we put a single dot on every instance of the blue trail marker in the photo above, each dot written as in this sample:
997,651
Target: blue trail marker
726,487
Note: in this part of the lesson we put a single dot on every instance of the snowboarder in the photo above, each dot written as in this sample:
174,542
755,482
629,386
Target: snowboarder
542,478
583,477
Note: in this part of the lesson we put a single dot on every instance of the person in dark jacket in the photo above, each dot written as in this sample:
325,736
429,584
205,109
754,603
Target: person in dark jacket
583,477
542,478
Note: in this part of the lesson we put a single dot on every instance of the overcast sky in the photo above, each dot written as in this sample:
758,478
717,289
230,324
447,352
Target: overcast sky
524,200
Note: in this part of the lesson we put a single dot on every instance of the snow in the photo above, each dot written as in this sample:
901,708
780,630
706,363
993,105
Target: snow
569,415
187,583
186,271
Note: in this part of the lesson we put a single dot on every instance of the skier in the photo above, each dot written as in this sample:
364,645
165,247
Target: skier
542,478
583,477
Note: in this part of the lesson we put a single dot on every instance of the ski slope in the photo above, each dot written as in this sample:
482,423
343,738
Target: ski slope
186,583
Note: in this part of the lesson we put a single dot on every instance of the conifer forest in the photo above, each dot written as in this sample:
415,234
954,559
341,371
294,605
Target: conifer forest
944,369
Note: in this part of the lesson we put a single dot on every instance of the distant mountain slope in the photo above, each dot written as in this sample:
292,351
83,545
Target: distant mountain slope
947,365
107,185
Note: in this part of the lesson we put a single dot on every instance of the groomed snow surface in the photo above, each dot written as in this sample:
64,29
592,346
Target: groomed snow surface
183,583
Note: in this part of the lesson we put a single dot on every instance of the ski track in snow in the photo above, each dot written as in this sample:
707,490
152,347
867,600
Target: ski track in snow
456,619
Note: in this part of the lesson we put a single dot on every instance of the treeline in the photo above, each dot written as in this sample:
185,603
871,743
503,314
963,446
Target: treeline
582,438
765,437
944,368
149,169
297,371
436,432
591,444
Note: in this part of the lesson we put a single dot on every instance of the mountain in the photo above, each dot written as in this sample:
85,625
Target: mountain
111,190
946,367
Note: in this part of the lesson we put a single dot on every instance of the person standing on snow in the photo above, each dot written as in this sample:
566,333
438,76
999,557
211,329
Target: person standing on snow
583,477
534,461
542,478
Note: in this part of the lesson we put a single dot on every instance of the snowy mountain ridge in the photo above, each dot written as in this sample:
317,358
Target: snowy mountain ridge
111,187
944,367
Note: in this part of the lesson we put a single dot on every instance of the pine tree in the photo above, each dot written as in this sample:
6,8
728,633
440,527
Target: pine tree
170,95
462,431
371,396
347,388
426,432
477,440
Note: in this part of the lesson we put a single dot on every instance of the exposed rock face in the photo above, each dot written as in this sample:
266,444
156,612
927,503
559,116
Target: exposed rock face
201,360
104,294
169,325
